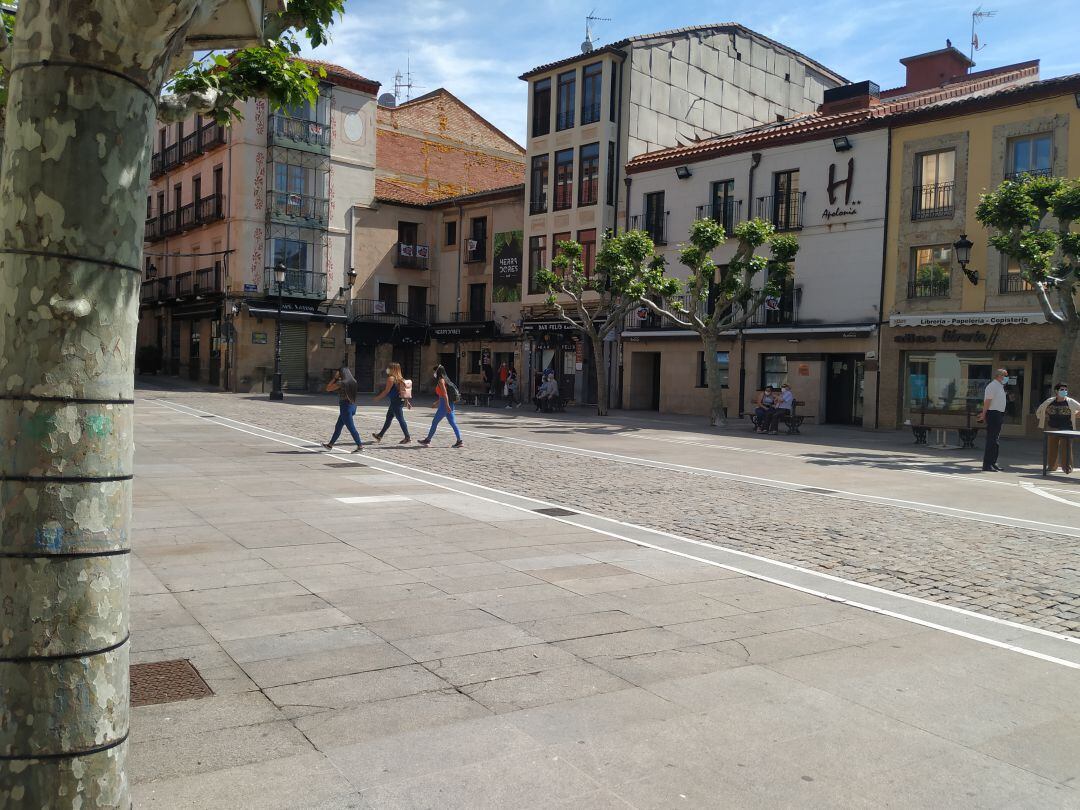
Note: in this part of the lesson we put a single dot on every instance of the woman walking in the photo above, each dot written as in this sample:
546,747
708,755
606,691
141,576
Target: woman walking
444,408
345,384
1058,413
399,391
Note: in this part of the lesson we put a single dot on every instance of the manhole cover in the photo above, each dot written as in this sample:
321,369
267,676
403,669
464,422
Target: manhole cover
555,511
817,490
166,682
341,465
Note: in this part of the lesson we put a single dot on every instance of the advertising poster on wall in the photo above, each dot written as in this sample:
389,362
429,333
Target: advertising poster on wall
507,283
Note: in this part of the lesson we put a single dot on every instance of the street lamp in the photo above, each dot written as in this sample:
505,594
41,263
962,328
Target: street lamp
275,391
962,246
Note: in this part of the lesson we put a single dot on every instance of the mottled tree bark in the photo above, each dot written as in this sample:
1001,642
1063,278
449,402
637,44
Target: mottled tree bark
75,167
717,411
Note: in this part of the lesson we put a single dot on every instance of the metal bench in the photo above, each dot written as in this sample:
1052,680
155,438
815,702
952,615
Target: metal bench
793,420
941,424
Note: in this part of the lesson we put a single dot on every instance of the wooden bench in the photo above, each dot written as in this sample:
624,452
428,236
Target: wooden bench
476,395
793,420
944,423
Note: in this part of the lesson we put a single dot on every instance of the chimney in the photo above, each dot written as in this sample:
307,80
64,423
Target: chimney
850,97
935,68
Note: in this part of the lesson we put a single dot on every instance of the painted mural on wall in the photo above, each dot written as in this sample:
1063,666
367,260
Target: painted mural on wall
507,283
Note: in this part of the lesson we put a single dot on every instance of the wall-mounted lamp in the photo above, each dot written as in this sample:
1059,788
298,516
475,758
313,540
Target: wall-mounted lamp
683,172
962,246
842,143
350,278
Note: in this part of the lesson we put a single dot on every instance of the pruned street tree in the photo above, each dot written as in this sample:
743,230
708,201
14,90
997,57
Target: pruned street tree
600,300
85,82
716,299
1033,219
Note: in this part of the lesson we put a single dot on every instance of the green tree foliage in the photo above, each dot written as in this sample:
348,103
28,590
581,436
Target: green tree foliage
715,299
1033,222
615,286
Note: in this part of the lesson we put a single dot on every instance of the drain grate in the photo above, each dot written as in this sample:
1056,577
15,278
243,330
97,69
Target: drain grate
166,682
555,511
818,490
341,465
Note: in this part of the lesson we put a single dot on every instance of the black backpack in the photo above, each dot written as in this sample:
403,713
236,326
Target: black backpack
452,392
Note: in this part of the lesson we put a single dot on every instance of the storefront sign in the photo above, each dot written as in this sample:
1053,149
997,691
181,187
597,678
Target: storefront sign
327,342
804,370
947,336
258,337
550,326
848,208
458,332
506,285
968,319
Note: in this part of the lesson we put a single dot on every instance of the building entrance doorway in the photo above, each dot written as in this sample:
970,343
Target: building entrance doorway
844,377
645,381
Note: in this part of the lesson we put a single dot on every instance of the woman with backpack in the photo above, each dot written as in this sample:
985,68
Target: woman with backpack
399,391
447,394
345,384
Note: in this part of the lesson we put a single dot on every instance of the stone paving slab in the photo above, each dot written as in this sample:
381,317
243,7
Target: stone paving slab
464,670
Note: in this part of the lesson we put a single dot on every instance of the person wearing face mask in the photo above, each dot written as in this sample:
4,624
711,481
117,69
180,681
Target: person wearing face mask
447,394
399,393
345,384
993,414
1058,413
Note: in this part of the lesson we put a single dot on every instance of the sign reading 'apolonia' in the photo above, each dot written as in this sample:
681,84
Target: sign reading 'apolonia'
968,319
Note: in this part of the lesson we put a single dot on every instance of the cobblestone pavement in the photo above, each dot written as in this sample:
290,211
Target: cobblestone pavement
1015,574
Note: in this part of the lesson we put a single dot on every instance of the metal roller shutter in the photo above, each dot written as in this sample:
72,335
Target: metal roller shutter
294,356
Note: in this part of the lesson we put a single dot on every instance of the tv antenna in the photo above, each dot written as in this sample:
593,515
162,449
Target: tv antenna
404,82
977,16
587,45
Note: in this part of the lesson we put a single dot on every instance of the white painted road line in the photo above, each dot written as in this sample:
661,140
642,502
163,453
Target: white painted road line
374,499
1029,641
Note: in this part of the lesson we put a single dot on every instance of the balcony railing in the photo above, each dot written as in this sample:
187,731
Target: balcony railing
211,135
367,309
207,281
163,287
934,201
285,130
314,210
644,318
1029,173
189,146
157,164
784,211
148,291
727,213
185,284
1014,283
169,224
539,205
298,283
564,120
782,311
186,216
210,208
475,251
655,225
590,113
411,256
472,316
170,157
153,229
928,289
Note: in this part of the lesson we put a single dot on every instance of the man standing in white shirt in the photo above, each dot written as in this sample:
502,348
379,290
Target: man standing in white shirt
993,414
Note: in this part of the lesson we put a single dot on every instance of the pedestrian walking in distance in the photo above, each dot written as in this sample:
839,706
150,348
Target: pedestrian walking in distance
1060,412
344,383
398,391
446,394
993,414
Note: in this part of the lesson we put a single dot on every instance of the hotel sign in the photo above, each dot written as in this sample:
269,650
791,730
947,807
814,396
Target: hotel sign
969,319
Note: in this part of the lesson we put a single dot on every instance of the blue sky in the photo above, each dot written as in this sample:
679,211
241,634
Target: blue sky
478,49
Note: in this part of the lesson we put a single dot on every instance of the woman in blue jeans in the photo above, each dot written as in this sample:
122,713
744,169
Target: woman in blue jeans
397,391
345,384
445,409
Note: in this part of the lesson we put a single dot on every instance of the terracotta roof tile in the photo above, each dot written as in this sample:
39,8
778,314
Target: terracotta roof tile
817,125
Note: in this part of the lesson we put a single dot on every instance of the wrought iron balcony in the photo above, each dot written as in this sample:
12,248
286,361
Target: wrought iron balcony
1014,283
411,256
475,251
210,208
285,205
784,211
169,223
1029,173
189,147
929,289
170,157
208,281
153,229
186,216
472,316
211,135
185,284
287,131
933,201
727,214
781,311
297,284
379,311
644,318
654,224
157,165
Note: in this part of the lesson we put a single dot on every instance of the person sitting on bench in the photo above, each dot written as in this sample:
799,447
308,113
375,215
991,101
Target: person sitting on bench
784,408
548,393
766,404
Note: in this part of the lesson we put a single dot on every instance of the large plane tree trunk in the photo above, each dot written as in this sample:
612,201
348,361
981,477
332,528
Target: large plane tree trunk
80,116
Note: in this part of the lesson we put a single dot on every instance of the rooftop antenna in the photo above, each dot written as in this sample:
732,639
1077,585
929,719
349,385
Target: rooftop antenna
587,45
405,82
976,16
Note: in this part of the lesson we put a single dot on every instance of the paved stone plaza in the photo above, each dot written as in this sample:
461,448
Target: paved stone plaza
377,637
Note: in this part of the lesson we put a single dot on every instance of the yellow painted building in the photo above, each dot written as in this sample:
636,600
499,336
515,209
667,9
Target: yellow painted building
942,335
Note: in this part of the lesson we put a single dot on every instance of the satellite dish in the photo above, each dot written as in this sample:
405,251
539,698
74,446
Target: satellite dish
387,100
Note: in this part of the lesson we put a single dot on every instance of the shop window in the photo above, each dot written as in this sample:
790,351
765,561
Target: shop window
774,370
703,373
475,358
947,382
